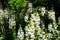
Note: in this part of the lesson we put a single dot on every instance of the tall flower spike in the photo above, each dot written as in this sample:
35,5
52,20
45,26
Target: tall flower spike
12,22
35,21
29,32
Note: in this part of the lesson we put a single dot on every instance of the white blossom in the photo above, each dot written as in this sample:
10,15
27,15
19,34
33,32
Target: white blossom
50,27
20,33
26,18
12,22
42,11
29,32
35,18
50,35
51,15
55,25
29,5
29,8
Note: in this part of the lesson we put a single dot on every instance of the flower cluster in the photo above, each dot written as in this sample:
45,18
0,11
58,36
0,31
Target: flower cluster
51,15
12,22
29,8
20,33
30,32
42,9
26,18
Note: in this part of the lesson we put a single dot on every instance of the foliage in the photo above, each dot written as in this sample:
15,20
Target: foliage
17,4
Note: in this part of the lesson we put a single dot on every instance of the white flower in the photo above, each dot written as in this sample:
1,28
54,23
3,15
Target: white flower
32,36
42,11
29,5
26,18
50,27
35,21
38,29
46,39
35,18
20,33
51,15
12,22
29,10
50,35
40,37
29,29
55,25
43,36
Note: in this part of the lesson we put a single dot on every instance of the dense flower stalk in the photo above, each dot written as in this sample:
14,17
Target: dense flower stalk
20,33
12,22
